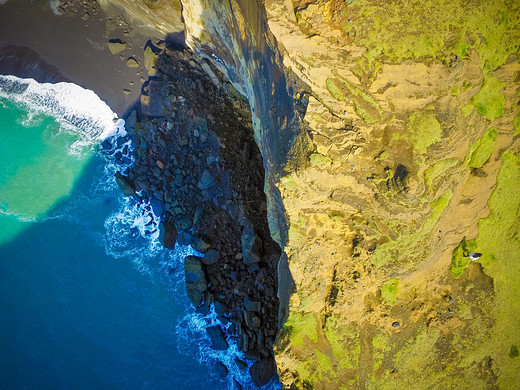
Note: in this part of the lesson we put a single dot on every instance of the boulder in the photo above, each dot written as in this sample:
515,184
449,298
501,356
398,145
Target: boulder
116,46
206,181
199,244
262,371
221,370
183,238
217,337
211,257
195,279
124,184
150,58
167,234
252,305
251,246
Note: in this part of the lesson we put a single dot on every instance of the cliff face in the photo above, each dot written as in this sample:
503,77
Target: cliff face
390,141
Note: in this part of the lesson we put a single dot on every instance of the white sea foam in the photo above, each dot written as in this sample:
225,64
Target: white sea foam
75,108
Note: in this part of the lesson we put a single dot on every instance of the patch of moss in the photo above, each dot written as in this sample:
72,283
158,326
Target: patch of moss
288,182
412,247
301,326
438,169
335,90
318,159
513,351
466,110
489,101
460,258
398,30
425,130
482,148
499,242
389,291
455,91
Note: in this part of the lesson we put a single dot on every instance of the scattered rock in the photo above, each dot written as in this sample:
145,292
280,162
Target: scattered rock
131,62
150,58
116,46
217,337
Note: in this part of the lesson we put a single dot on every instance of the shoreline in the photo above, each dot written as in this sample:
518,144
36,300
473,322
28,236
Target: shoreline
73,47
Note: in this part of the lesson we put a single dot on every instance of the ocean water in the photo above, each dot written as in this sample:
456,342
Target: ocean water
88,297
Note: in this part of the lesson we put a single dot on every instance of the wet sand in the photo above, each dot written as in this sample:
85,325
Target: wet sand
73,46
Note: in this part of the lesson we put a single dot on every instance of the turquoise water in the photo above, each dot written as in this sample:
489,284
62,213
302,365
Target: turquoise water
88,299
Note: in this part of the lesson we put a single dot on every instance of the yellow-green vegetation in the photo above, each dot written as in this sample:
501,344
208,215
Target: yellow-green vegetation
516,124
412,247
318,159
288,182
364,104
397,30
344,341
425,130
438,169
300,327
389,291
460,257
482,148
499,242
489,101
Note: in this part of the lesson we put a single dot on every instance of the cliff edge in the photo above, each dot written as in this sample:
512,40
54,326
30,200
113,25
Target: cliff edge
389,134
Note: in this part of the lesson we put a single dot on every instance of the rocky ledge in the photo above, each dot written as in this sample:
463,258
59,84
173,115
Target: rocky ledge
198,165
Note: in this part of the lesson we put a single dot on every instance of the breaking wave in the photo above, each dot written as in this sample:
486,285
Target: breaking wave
76,109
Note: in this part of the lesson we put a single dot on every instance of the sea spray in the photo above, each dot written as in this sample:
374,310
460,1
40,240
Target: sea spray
75,108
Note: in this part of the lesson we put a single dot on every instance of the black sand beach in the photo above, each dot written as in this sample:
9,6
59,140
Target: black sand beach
73,46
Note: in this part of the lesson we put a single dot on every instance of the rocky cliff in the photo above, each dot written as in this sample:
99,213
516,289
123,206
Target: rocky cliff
389,133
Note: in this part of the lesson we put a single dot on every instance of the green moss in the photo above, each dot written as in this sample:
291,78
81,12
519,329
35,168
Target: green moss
499,242
460,258
438,169
318,159
300,327
489,101
389,291
398,30
466,110
288,182
482,148
344,341
425,130
412,247
455,91
335,90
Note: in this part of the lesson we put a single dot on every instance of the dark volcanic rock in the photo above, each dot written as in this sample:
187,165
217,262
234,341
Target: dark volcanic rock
195,279
211,257
251,246
217,337
168,234
262,371
196,155
124,184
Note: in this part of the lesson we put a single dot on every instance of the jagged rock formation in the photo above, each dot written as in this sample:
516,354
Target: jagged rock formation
390,139
199,167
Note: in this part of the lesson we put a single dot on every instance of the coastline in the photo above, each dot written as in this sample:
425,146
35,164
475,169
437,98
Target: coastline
73,47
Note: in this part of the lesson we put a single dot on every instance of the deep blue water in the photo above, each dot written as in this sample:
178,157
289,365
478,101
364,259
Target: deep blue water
88,299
